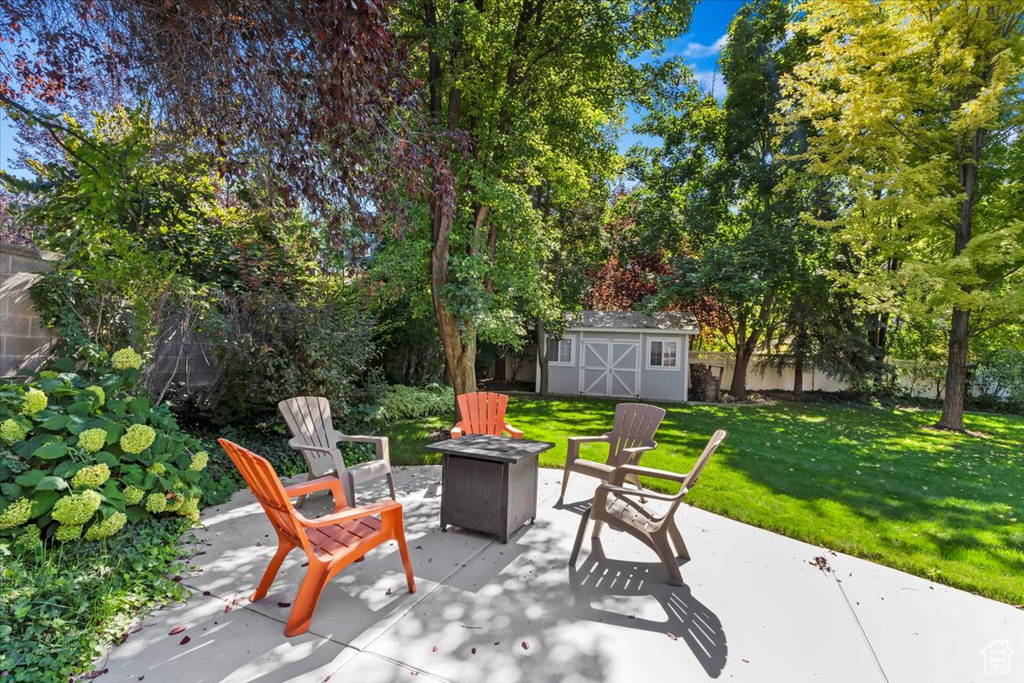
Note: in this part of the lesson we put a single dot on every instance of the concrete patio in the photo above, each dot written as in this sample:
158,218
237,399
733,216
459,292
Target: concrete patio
757,607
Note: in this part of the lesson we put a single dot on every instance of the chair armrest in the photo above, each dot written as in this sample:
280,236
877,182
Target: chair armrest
329,482
513,432
572,449
298,445
641,493
635,452
457,430
589,439
620,472
381,450
349,514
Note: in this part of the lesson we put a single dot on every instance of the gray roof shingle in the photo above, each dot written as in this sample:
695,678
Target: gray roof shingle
634,320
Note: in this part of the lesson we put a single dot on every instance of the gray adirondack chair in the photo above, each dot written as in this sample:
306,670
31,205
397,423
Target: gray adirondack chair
313,434
617,507
631,436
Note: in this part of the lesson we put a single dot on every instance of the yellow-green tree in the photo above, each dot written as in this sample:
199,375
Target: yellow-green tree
916,105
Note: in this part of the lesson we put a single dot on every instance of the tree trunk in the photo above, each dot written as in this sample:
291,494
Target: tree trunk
798,375
738,386
959,330
542,357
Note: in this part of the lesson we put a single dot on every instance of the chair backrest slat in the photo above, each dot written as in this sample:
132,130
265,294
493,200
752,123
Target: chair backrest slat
709,450
635,425
483,412
309,419
259,474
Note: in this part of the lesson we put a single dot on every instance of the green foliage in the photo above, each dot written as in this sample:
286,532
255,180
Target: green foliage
409,403
60,606
316,342
82,441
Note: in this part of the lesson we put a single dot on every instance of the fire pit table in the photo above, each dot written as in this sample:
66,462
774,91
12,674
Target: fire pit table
489,483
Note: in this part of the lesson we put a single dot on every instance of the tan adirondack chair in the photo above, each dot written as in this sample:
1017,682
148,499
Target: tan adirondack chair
331,542
313,434
631,436
483,412
617,506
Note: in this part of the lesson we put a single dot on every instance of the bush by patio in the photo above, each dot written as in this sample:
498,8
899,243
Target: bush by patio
82,455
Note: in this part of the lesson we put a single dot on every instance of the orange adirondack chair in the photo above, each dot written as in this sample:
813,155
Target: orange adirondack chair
483,412
331,542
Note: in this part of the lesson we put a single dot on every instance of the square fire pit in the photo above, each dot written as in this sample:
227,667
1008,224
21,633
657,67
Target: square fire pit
489,483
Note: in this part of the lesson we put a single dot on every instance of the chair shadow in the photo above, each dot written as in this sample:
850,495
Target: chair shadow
686,617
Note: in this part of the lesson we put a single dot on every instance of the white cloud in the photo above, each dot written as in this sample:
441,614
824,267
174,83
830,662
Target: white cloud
713,82
699,50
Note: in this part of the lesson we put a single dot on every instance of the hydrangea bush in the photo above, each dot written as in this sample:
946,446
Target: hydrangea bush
81,456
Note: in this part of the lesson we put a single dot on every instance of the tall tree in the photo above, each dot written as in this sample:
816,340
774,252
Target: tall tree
720,174
525,91
912,103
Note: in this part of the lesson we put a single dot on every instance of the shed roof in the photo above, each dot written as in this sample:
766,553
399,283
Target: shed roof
634,320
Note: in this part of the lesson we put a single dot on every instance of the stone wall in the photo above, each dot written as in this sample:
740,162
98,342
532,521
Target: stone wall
182,355
24,342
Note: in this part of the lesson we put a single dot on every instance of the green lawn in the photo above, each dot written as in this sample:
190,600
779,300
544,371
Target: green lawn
866,481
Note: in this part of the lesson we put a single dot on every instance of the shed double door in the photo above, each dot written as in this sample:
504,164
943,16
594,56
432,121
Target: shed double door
610,368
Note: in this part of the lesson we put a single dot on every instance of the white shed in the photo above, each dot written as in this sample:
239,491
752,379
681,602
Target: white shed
622,354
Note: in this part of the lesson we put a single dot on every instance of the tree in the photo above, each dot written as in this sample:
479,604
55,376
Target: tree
913,104
524,92
719,178
311,99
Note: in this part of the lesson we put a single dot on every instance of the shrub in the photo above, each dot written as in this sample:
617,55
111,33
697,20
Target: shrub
410,403
60,606
84,455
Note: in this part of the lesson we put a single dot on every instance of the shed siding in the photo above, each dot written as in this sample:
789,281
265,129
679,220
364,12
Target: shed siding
663,384
565,379
655,384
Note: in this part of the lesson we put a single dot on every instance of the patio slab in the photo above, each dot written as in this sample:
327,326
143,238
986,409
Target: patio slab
755,607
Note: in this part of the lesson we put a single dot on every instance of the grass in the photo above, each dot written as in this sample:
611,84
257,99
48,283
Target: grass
871,482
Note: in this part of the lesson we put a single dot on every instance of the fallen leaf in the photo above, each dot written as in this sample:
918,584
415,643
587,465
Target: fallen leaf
207,593
259,543
185,641
284,604
526,645
434,649
387,592
136,629
631,616
473,650
672,636
227,609
497,642
176,579
176,630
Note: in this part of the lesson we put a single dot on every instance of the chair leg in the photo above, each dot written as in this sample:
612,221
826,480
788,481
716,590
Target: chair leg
598,527
305,601
668,559
677,540
350,490
391,485
579,538
283,548
635,481
565,482
403,550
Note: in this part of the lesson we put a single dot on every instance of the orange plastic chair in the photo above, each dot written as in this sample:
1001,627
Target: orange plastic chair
483,412
331,542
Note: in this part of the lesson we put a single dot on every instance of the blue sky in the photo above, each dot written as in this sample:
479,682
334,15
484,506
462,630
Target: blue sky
700,47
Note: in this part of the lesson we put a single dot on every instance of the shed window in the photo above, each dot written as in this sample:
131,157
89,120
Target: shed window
560,351
663,354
